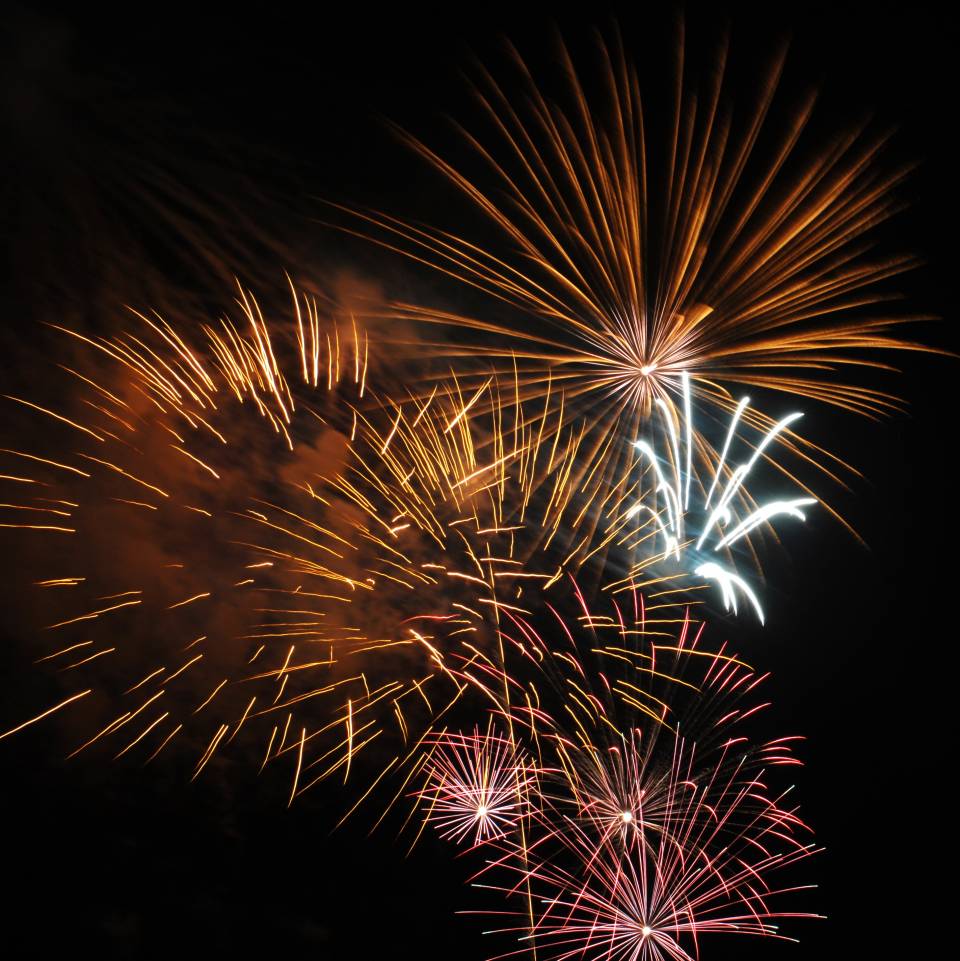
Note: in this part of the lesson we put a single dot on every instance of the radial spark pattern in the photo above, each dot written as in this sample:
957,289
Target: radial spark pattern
710,241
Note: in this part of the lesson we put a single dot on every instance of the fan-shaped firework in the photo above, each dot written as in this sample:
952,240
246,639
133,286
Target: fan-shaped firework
673,479
730,254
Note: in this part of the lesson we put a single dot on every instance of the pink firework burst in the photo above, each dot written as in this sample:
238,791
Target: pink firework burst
702,862
616,792
476,786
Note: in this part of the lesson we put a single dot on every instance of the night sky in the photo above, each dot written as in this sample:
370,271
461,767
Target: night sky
271,111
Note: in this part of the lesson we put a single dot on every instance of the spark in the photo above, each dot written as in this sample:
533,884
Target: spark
47,713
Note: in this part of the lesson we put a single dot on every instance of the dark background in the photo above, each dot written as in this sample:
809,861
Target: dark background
128,864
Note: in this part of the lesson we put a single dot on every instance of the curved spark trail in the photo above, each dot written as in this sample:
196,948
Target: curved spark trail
676,519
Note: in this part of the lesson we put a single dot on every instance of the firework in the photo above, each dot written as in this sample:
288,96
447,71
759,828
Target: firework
299,567
705,862
243,532
730,255
476,787
652,822
161,447
718,531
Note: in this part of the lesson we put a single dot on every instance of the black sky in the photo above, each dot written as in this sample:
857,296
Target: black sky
120,863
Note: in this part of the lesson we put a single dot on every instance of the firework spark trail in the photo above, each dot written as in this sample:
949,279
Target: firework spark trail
674,492
732,256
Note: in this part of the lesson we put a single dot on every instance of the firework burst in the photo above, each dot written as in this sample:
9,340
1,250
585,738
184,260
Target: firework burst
161,447
652,822
300,567
476,788
705,862
668,506
733,256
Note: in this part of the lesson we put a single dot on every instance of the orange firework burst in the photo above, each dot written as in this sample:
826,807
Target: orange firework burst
714,244
148,472
234,545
